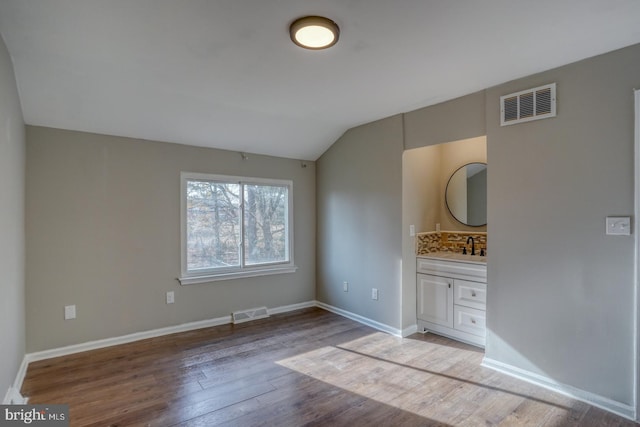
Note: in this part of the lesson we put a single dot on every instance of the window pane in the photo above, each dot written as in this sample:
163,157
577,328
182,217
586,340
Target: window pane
213,219
265,224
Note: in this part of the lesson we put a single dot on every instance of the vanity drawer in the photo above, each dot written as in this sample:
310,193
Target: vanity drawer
469,320
453,269
470,294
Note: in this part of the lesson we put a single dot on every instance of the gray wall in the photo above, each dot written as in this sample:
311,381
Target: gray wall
561,292
421,201
460,118
103,232
362,236
422,192
359,199
453,155
426,172
12,258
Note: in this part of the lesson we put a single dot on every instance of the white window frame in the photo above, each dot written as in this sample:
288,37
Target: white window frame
210,275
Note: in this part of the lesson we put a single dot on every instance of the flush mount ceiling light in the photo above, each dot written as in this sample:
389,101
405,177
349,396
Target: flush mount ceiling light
314,32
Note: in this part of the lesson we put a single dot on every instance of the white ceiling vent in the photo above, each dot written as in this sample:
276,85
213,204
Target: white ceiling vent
251,314
526,105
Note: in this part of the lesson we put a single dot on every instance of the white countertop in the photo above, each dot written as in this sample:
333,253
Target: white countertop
451,256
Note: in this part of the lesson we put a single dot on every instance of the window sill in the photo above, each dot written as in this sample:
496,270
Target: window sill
192,280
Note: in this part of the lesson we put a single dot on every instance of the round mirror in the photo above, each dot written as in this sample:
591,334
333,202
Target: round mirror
466,194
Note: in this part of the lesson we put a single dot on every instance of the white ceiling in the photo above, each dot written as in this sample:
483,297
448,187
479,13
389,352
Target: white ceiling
223,73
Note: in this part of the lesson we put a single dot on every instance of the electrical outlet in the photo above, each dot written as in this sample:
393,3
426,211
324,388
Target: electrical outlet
69,312
171,297
374,293
345,286
412,230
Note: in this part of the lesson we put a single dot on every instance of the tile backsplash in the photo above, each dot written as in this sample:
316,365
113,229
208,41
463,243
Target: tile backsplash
448,241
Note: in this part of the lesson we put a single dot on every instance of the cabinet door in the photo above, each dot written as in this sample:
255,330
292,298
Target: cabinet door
435,299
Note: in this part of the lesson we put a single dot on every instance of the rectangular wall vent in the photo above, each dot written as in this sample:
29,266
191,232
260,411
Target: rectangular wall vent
527,105
251,314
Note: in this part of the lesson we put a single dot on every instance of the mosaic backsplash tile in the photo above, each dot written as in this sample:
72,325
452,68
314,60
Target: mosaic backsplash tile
449,241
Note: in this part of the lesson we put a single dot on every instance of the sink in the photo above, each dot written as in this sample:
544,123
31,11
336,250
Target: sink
452,256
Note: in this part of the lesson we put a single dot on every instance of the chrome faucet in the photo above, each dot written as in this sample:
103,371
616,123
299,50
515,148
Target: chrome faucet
473,245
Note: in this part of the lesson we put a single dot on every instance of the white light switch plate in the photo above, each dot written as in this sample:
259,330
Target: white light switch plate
619,225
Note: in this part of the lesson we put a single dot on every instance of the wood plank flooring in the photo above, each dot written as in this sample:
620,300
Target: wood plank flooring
308,367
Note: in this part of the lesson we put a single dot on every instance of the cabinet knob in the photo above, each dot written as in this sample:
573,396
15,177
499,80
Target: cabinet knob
473,294
449,285
473,321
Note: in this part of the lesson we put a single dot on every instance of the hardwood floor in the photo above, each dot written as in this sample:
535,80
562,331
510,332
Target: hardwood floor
308,367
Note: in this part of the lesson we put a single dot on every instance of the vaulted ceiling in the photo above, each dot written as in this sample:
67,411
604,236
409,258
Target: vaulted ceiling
224,73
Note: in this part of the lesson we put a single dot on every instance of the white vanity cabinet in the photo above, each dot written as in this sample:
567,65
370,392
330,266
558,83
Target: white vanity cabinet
451,297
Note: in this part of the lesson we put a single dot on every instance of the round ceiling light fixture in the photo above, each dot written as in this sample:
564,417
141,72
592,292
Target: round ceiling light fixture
314,32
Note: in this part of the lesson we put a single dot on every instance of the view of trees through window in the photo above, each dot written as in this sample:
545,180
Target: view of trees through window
265,221
219,235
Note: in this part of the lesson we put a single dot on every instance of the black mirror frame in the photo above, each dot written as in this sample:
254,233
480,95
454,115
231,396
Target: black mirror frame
447,189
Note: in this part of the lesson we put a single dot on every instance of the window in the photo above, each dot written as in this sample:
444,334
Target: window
235,227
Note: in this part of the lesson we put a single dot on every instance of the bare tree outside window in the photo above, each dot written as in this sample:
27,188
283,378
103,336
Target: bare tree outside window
213,225
265,220
230,225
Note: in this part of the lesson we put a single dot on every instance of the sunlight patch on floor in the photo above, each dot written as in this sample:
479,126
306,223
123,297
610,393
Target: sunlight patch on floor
429,380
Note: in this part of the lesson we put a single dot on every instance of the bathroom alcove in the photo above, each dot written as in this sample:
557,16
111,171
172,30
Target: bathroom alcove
425,173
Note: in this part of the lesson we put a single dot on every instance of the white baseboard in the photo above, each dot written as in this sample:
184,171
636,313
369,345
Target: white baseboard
410,330
601,402
292,307
13,397
13,394
124,339
360,319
